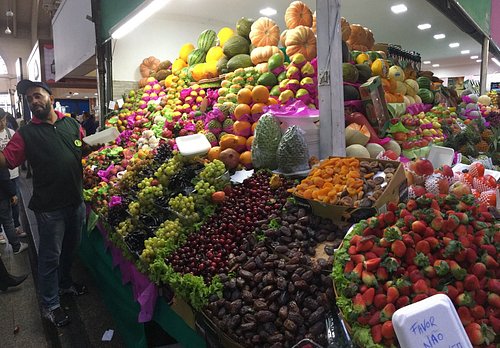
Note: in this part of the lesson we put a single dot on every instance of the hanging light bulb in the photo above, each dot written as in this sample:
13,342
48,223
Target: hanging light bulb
8,31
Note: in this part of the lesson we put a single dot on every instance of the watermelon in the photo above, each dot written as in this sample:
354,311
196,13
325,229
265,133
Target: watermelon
351,93
424,82
349,72
239,61
243,26
426,95
364,72
197,56
236,45
207,39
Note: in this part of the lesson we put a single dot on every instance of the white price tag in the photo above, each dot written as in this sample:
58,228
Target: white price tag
120,102
111,105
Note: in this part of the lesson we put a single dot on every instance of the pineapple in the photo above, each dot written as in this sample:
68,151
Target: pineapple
487,135
482,146
199,126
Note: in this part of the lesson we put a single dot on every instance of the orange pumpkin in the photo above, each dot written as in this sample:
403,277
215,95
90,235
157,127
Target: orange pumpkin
345,28
314,22
143,82
262,54
283,38
390,98
264,32
370,40
357,37
149,66
297,14
301,40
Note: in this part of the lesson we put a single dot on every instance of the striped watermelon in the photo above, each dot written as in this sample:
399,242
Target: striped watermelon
197,56
207,39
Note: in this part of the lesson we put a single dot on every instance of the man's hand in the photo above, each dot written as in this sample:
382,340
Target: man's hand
13,200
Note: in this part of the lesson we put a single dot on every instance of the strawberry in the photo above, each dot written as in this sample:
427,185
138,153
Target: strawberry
372,264
358,258
472,256
392,294
419,226
490,249
379,301
392,233
420,287
452,292
404,212
494,286
382,274
388,330
478,334
402,301
359,304
433,242
387,312
411,205
357,272
351,250
465,316
410,255
437,223
408,240
409,220
379,251
392,206
489,261
365,244
376,332
442,267
477,312
464,299
429,272
368,296
419,297
355,240
479,269
389,218
370,255
423,247
471,282
481,297
391,264
368,278
374,318
461,231
494,299
398,248
495,323
450,224
458,272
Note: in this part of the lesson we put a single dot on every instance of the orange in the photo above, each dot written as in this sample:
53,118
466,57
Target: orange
246,159
250,141
258,108
272,101
241,110
260,94
244,96
214,153
241,142
228,141
242,128
254,126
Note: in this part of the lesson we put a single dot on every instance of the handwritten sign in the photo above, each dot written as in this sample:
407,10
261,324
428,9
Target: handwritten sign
430,323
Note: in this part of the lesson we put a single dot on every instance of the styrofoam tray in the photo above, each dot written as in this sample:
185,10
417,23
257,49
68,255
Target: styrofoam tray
193,145
440,155
102,137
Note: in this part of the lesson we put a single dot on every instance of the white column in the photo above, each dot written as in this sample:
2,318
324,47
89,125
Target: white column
484,65
331,92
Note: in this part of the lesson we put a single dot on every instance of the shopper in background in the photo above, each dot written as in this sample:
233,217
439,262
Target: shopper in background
89,123
11,122
6,220
52,144
7,280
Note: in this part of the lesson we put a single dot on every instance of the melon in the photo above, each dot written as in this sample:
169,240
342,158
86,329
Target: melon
364,72
380,67
356,134
357,150
411,99
413,86
400,87
395,72
349,72
407,100
424,82
351,93
374,149
418,100
426,95
484,100
394,146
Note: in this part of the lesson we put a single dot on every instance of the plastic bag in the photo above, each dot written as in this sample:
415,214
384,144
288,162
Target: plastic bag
293,153
266,142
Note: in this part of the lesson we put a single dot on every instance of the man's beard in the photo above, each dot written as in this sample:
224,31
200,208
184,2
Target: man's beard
42,113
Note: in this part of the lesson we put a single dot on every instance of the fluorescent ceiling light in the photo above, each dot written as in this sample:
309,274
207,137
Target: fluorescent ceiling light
399,8
424,26
75,93
137,17
454,44
435,65
496,61
478,61
268,11
86,97
68,96
474,57
95,93
439,36
427,62
465,52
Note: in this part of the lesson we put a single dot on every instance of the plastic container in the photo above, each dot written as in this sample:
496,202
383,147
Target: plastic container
309,124
102,137
193,145
440,155
432,322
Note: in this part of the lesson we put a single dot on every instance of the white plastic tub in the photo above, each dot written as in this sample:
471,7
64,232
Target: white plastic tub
440,155
193,145
102,137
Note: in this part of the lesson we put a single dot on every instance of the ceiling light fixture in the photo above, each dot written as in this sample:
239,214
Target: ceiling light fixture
439,36
268,11
474,57
397,9
427,62
478,61
465,52
143,12
424,26
496,61
454,44
435,65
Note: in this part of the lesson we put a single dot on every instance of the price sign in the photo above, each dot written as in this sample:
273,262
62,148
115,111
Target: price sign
120,102
111,105
430,323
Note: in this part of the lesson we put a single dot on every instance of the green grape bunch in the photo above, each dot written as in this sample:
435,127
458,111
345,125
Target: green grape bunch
214,174
125,227
151,248
169,169
203,191
169,229
185,207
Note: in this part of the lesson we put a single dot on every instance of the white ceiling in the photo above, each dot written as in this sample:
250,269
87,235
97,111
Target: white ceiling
387,27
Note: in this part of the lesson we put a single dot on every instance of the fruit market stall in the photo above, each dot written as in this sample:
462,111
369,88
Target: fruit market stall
217,207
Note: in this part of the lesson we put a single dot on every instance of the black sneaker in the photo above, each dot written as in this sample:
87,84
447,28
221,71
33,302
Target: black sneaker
75,289
57,317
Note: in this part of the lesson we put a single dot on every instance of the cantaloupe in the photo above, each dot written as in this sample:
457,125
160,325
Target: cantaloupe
417,99
407,100
374,149
356,134
413,90
394,146
400,87
395,72
411,99
357,150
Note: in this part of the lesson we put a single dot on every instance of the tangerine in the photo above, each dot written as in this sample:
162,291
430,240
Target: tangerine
244,96
254,125
246,159
250,141
258,108
214,153
272,101
241,110
260,94
243,128
241,143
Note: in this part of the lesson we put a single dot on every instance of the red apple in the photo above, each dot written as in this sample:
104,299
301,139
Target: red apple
424,167
447,171
390,154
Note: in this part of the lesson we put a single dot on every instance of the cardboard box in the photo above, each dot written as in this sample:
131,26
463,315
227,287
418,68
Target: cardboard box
184,310
213,335
372,96
396,191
